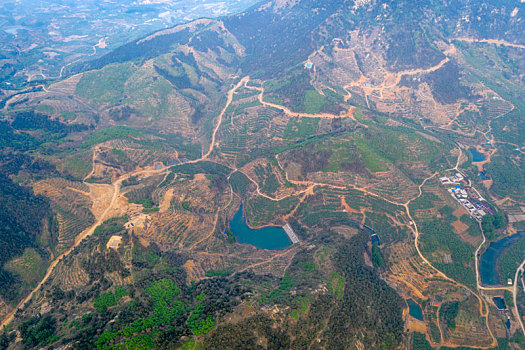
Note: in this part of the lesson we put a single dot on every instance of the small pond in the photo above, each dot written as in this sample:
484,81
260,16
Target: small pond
477,156
500,303
414,310
270,237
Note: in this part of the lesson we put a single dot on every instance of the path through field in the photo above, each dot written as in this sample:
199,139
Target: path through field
291,113
112,205
492,41
86,233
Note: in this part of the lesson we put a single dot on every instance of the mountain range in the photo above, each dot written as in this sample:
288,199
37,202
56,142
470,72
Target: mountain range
288,177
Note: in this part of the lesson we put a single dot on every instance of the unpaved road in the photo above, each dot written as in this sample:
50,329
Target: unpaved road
86,233
491,41
291,113
116,195
228,102
390,76
515,295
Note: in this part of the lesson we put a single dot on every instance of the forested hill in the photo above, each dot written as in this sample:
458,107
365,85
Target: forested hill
25,219
277,35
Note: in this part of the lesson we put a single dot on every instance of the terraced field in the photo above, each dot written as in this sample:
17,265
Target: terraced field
71,276
244,130
344,141
72,203
178,229
407,269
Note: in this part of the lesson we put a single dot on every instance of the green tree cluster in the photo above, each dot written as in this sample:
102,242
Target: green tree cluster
377,257
450,312
492,222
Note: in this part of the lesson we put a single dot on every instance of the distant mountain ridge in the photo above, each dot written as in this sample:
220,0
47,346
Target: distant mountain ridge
277,33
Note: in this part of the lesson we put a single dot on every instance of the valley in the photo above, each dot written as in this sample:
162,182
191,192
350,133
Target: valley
42,42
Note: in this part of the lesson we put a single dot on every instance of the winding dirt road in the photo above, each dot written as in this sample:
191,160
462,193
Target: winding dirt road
390,76
228,102
291,113
116,195
86,233
483,308
515,295
491,41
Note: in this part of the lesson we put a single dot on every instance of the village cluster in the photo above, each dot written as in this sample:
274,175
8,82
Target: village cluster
467,196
